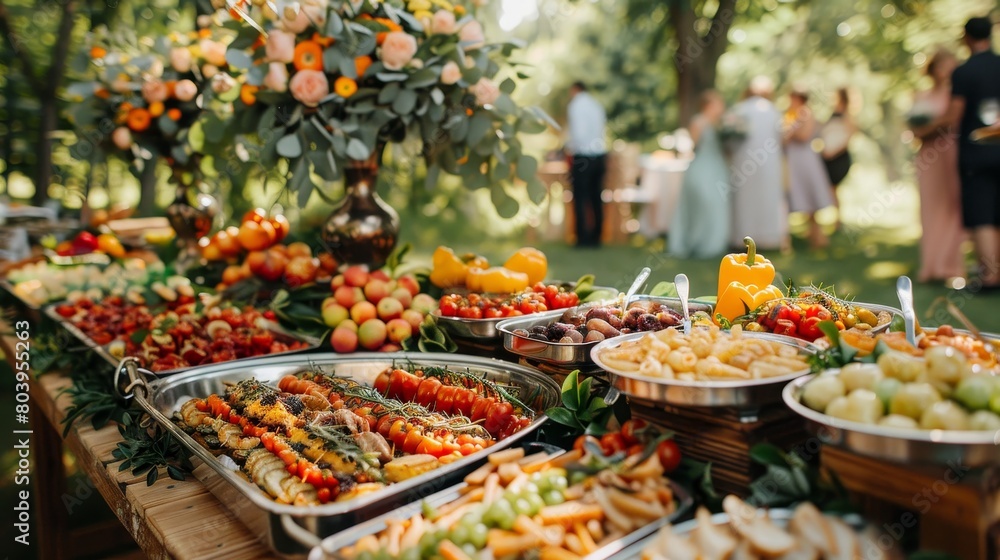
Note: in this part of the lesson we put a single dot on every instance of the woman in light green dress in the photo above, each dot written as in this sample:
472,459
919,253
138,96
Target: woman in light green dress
700,228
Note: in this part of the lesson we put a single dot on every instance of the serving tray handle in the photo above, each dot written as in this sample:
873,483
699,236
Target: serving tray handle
134,375
299,533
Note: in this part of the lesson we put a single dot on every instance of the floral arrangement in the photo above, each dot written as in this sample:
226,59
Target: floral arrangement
146,94
326,82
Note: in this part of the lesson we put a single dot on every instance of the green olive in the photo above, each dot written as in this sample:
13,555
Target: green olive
850,320
866,316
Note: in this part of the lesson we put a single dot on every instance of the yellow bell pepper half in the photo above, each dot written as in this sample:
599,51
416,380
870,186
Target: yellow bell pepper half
746,268
448,270
739,299
530,261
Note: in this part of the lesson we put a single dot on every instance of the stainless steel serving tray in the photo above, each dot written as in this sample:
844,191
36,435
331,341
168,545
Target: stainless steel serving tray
934,447
562,354
279,332
780,517
482,330
290,530
330,547
747,394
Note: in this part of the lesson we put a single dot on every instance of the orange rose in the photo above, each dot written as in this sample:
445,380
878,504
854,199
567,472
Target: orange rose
345,87
156,109
139,119
308,56
248,94
361,65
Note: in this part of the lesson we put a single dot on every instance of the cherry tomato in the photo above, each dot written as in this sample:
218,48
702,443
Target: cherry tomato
669,454
612,443
481,407
580,443
633,430
448,308
497,416
427,390
324,495
464,401
445,399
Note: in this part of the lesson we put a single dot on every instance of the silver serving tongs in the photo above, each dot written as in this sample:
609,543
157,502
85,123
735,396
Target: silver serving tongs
904,290
613,393
683,290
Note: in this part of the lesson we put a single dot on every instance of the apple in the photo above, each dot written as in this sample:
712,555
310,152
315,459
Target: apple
371,334
232,274
334,315
335,282
424,303
375,290
356,275
299,249
404,297
409,282
328,302
389,308
414,318
381,274
348,324
344,340
348,296
390,347
227,243
301,271
363,311
399,330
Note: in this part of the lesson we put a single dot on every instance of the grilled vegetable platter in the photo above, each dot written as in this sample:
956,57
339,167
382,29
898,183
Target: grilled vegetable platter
316,443
547,505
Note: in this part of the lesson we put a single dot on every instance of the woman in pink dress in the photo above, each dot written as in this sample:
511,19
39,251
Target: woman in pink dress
936,164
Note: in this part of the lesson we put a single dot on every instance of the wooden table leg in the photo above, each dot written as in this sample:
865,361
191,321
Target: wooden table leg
50,519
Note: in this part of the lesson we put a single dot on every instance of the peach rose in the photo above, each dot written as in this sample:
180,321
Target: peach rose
180,59
209,71
185,90
280,46
450,73
472,35
213,52
309,87
297,21
154,91
443,22
486,92
122,138
398,50
277,77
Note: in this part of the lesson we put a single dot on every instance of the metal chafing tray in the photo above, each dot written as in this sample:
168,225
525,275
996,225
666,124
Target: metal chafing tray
279,332
288,529
748,394
329,548
935,447
568,355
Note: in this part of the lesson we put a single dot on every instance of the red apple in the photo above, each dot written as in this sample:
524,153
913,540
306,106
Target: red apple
375,290
363,311
344,340
389,308
371,334
424,303
348,324
399,330
267,265
334,314
381,274
390,347
404,297
256,236
414,318
299,249
356,275
348,296
336,282
409,282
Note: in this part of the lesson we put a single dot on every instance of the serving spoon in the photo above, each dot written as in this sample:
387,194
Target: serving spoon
683,290
904,291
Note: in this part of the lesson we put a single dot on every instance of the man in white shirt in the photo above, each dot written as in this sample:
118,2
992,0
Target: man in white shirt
586,144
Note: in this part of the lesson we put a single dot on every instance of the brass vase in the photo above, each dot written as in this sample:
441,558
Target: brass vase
191,215
362,229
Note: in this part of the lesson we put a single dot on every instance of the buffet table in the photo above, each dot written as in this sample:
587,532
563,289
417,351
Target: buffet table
169,519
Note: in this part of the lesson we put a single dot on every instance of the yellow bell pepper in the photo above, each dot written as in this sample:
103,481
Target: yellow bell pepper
740,299
448,270
496,280
746,268
530,261
472,259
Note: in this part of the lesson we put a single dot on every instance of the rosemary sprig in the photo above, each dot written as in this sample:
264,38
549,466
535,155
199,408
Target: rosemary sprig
144,450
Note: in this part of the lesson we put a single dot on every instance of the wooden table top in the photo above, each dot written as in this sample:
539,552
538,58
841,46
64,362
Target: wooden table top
169,519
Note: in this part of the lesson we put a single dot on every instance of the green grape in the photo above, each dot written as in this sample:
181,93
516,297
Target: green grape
522,507
553,498
428,544
412,553
503,515
477,537
974,392
529,489
537,503
560,483
460,534
471,519
470,549
577,477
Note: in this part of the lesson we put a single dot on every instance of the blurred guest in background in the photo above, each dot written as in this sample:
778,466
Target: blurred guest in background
696,230
836,135
809,185
758,205
975,103
586,145
937,176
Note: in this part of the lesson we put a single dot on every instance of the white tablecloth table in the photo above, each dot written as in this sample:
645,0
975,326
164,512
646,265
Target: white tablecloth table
660,189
